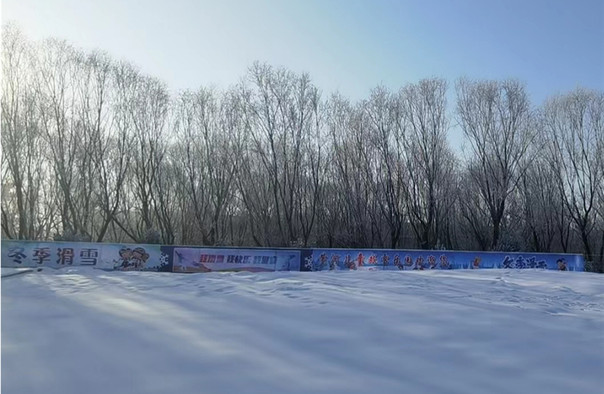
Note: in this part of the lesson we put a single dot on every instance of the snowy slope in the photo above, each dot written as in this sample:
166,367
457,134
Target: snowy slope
81,330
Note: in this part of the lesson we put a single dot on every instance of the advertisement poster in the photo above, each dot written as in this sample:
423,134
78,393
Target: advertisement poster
370,260
187,259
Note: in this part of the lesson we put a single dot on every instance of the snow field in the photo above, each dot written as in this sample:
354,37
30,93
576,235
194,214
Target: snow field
81,330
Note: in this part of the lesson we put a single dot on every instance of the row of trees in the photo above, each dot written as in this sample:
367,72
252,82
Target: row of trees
93,149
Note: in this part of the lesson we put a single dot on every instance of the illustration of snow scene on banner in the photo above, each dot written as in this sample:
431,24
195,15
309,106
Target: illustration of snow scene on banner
370,260
187,259
133,257
49,254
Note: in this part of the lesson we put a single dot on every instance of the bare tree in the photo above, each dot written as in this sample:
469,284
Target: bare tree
600,195
254,187
148,111
109,128
379,139
332,212
209,126
495,118
474,210
573,125
24,212
310,188
541,205
282,112
57,79
349,216
429,160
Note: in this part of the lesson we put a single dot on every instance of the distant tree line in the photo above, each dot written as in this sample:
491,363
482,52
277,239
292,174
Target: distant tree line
93,149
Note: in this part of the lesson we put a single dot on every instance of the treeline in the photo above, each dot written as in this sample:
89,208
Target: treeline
93,149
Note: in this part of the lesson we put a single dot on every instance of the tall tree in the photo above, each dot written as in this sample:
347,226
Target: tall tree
26,209
380,141
429,161
349,213
495,118
573,125
58,77
282,114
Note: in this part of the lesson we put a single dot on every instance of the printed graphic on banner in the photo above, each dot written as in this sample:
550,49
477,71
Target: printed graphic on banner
417,260
132,257
254,260
166,258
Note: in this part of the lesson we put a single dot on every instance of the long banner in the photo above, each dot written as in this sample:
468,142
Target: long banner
142,257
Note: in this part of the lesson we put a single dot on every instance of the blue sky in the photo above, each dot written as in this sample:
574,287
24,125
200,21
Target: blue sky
350,46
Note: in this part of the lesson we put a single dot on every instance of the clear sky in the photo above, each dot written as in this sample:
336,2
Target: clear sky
345,45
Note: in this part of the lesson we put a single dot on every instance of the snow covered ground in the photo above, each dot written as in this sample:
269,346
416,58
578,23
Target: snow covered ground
81,330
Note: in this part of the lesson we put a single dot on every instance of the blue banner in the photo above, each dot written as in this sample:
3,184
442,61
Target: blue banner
372,259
